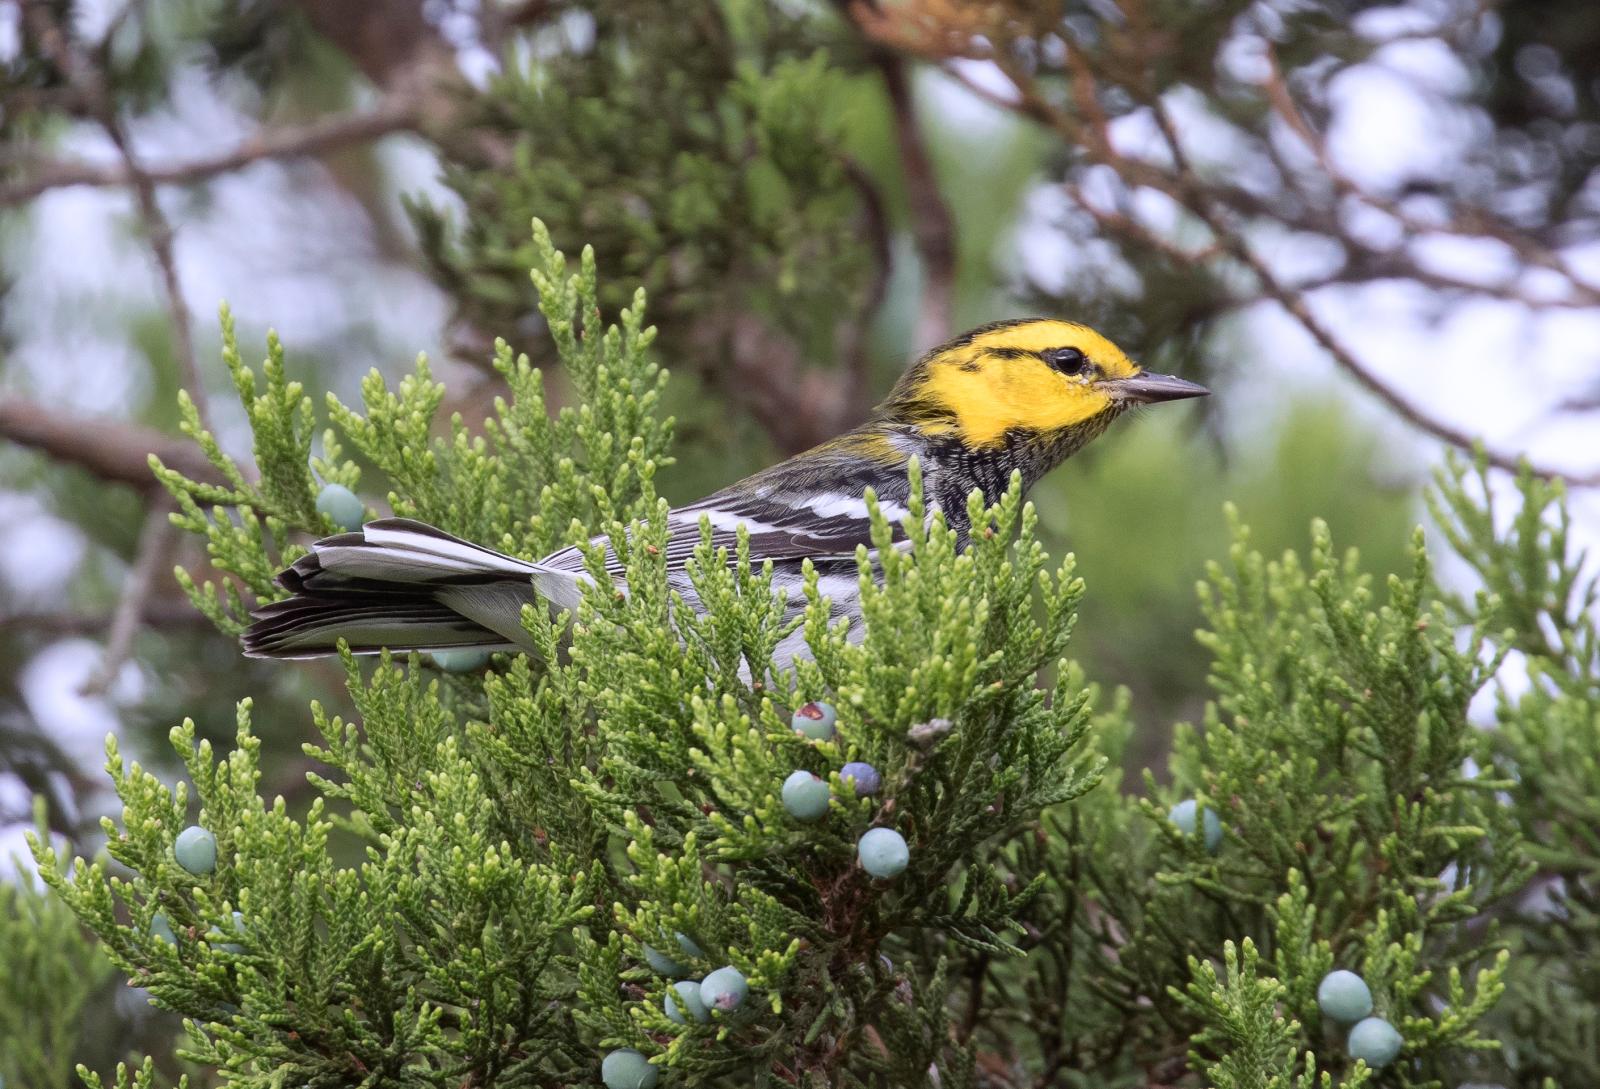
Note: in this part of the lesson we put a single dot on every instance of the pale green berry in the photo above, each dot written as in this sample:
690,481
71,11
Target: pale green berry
1344,996
685,995
664,965
460,659
724,990
1183,815
1374,1040
196,850
215,933
341,505
626,1068
160,928
815,720
883,852
805,796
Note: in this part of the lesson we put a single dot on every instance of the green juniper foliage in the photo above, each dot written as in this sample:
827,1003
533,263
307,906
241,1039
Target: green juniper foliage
1246,1039
1354,836
696,145
50,959
588,465
1546,744
506,871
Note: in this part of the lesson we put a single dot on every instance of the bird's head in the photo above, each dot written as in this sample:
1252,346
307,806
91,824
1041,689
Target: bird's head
1036,377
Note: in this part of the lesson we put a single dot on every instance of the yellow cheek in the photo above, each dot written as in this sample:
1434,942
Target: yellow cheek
1032,398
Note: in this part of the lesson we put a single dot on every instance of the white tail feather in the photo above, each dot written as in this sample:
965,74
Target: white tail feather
449,552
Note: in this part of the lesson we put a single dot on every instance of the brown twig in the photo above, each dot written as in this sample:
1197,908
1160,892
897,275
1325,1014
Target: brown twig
1296,305
159,235
170,612
797,406
1351,364
396,113
496,22
112,450
976,979
84,73
1085,127
853,353
932,226
1471,223
158,534
156,538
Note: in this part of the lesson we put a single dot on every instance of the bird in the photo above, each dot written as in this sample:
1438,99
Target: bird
1016,396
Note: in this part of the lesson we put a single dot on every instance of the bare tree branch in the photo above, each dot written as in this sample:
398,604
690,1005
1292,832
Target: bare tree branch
931,223
157,613
86,73
1469,223
159,234
396,113
112,450
86,78
392,42
853,353
109,450
156,538
762,368
1083,125
1300,309
798,406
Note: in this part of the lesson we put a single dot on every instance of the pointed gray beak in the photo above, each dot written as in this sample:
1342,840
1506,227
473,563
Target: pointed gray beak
1147,388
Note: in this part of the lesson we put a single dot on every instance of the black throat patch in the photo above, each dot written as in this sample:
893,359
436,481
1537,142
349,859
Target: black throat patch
952,470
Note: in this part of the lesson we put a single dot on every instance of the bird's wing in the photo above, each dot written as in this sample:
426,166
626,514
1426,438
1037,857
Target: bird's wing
782,526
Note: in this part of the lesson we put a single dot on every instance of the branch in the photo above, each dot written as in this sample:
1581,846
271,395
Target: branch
392,42
1298,308
798,406
156,538
1352,365
85,75
158,230
1086,128
853,355
931,224
1468,222
397,113
161,613
112,450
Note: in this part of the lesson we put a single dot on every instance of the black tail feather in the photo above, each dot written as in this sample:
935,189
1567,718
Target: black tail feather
311,625
397,584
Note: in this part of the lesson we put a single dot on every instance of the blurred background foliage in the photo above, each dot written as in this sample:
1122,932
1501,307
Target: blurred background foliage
812,193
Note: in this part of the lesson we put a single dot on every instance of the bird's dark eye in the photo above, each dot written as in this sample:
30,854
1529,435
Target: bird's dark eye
1069,361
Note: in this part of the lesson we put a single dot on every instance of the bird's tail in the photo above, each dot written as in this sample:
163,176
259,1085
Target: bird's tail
398,584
